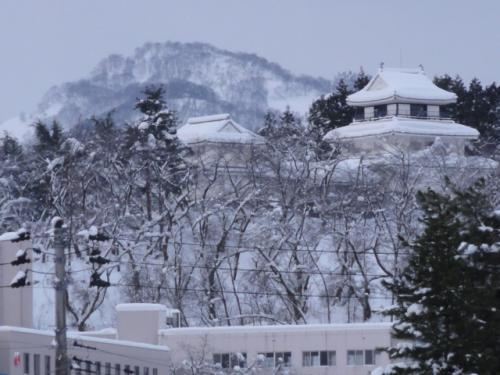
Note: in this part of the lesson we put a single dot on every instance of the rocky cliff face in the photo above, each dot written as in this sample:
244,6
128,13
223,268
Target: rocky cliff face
199,80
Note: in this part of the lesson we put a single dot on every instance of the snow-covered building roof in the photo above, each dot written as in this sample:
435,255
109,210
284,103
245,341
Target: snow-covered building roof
401,125
392,85
216,129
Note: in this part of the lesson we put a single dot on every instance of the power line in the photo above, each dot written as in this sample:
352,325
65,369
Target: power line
236,269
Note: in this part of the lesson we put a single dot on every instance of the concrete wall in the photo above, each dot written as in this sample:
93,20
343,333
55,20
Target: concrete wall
16,305
187,343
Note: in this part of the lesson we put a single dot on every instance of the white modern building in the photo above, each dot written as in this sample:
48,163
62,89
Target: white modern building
400,109
142,344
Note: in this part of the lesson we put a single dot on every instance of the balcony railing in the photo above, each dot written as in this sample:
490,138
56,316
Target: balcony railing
375,118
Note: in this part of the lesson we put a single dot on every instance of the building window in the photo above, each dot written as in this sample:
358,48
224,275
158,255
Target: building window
268,359
360,357
369,357
26,363
88,368
107,368
117,369
230,360
319,358
36,364
380,110
145,371
127,370
272,359
98,368
155,371
47,365
418,110
359,113
354,357
284,358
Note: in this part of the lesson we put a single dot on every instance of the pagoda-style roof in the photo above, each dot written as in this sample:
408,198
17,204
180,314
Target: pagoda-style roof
391,85
216,129
402,126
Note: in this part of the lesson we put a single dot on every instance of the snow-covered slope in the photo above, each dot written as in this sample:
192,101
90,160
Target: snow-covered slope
199,79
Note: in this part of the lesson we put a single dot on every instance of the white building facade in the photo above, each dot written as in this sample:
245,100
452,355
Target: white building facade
143,345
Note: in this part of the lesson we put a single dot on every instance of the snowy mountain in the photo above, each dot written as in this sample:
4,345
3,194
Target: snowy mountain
200,79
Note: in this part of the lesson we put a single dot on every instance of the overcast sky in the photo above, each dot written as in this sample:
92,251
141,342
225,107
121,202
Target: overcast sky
46,42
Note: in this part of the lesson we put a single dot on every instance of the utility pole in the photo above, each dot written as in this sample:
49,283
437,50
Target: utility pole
62,365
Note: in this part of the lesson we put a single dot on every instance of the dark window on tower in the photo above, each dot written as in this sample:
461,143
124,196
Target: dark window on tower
359,113
380,110
418,110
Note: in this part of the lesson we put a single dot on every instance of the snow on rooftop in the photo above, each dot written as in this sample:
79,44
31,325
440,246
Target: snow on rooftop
140,307
277,328
399,125
392,85
202,119
89,339
216,129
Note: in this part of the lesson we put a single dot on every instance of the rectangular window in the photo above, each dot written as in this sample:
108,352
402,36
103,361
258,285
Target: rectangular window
284,358
107,368
98,368
118,369
26,363
418,110
137,370
354,357
369,357
145,371
229,360
126,370
321,358
238,359
310,359
359,113
268,359
155,371
88,368
36,364
380,110
47,365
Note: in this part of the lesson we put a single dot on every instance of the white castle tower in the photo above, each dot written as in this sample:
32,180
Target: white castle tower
400,110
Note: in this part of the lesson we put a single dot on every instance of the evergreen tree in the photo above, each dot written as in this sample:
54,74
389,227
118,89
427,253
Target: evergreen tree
330,112
476,107
156,172
448,297
283,131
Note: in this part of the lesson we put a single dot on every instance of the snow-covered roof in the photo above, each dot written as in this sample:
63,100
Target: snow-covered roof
216,129
386,326
140,307
400,86
390,125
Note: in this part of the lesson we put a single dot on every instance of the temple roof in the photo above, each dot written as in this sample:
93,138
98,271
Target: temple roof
216,129
400,86
397,125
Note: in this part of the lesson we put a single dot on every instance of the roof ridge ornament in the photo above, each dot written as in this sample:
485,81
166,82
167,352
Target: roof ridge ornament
381,68
421,68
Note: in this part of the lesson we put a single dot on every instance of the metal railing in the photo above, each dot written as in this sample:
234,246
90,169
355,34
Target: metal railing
377,118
